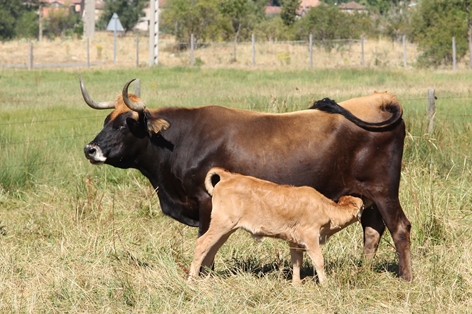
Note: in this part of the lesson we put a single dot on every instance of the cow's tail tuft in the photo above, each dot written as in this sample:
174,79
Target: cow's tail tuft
212,178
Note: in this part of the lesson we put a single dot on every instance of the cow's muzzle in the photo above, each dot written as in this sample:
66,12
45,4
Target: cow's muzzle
94,153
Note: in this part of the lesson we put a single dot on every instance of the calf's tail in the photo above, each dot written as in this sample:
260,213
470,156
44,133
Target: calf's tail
213,177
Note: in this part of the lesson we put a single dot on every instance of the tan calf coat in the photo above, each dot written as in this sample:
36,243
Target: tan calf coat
300,215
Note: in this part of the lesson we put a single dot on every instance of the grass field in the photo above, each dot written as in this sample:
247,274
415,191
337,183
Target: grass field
83,239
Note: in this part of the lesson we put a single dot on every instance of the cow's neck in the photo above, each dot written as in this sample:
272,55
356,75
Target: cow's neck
149,163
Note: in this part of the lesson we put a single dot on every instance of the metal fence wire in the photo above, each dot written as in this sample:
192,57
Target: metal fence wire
133,51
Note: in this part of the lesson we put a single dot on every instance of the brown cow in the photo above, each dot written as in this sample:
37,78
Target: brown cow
354,148
300,215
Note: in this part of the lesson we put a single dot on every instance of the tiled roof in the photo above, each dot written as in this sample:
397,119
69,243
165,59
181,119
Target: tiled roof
351,6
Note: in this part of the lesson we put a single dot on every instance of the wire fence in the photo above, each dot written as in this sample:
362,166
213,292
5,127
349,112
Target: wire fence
132,51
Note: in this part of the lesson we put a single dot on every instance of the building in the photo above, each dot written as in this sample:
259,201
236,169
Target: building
49,6
305,5
352,7
143,23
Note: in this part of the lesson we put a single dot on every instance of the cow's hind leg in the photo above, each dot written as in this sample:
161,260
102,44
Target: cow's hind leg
374,227
399,226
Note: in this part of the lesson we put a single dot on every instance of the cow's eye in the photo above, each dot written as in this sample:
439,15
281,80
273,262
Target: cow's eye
122,127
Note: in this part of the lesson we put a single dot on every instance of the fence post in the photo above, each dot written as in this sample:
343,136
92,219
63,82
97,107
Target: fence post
235,44
88,53
137,51
404,50
30,56
137,87
311,50
192,61
253,39
431,110
362,51
454,53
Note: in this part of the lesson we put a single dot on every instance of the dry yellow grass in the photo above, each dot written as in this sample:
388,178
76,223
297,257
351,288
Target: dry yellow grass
75,238
378,53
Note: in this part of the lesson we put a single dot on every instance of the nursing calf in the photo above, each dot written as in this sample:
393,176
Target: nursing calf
300,215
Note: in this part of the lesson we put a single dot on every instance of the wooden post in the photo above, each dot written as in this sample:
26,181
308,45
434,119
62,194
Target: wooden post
311,50
88,53
137,51
235,43
454,53
114,40
362,51
30,56
404,50
192,61
40,14
431,110
253,39
137,87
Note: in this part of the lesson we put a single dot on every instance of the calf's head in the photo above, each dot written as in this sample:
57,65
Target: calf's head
125,131
354,204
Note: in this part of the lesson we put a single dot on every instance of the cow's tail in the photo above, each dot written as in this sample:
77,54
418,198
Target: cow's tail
214,176
330,106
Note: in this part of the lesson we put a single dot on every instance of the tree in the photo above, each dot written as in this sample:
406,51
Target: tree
129,12
433,25
381,6
328,22
241,15
468,9
288,11
60,21
10,13
198,17
395,22
336,2
274,29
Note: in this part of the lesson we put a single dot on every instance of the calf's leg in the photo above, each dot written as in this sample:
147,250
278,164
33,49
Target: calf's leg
296,254
314,251
207,246
208,260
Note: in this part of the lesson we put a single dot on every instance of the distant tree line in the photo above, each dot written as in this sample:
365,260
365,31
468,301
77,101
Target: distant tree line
430,24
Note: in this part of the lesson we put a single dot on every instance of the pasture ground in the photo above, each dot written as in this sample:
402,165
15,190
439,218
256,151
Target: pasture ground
83,239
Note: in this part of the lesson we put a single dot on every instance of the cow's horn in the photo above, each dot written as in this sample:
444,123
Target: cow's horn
138,107
93,104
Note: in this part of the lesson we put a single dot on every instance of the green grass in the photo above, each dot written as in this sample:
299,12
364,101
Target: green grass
80,238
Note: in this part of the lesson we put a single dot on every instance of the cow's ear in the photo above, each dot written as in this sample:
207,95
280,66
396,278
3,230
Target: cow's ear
157,125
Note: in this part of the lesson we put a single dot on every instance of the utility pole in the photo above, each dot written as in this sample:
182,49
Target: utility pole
89,19
154,33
